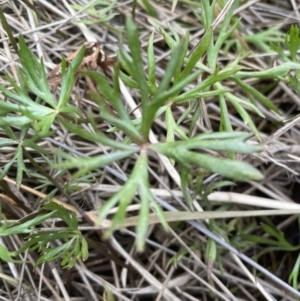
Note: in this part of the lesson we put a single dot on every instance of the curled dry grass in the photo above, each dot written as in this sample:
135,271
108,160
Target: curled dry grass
53,29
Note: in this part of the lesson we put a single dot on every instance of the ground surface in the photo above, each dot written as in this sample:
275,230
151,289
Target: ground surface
55,28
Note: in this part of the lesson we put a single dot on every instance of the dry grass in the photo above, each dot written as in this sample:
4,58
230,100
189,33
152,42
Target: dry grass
53,29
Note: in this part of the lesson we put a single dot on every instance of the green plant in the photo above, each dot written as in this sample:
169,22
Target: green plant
274,240
292,43
75,247
99,12
34,109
